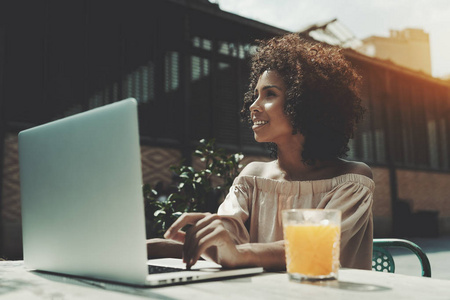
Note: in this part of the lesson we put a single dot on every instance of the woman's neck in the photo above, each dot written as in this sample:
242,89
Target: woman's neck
292,167
290,161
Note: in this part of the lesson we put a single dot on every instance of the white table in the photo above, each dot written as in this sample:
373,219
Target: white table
18,283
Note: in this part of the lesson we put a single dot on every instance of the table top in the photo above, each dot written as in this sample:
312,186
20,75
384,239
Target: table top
18,283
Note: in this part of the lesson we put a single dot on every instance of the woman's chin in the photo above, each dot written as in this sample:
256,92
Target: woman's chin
260,139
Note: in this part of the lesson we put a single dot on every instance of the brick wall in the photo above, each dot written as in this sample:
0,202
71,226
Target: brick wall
156,163
11,222
382,195
422,190
382,210
425,190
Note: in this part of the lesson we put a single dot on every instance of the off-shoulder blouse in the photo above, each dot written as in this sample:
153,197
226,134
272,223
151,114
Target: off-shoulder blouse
252,210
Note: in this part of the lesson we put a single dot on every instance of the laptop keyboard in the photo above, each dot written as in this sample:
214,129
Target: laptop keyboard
158,269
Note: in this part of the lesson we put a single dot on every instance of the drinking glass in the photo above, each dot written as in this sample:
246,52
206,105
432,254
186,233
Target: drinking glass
312,239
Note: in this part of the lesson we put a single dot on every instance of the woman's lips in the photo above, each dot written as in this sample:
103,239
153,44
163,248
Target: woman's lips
258,124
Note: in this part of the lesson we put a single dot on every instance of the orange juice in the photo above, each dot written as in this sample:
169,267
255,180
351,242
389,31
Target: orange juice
312,250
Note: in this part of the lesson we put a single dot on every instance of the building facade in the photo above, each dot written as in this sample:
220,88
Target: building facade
409,48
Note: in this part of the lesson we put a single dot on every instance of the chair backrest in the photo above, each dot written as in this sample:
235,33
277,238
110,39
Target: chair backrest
383,261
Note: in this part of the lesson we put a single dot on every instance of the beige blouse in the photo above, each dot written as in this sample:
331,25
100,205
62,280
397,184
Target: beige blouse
252,210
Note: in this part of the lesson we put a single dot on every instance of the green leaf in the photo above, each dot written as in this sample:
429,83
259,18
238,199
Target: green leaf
177,214
184,175
159,212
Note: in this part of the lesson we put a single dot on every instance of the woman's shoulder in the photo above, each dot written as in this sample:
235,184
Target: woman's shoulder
256,168
342,167
356,167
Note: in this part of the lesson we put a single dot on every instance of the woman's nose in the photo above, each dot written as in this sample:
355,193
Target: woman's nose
255,105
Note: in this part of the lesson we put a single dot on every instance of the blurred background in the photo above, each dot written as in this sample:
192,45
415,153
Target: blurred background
186,62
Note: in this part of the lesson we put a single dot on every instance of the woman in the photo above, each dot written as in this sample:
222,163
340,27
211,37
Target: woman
303,100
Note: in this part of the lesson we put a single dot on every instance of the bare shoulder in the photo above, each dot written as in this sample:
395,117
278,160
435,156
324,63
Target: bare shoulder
356,167
257,168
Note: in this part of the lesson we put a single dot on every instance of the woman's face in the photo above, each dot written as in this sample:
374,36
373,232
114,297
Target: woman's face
270,123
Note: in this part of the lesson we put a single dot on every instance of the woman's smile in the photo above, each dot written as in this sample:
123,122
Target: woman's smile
258,124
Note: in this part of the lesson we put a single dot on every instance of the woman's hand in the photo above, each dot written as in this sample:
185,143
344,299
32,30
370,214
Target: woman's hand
206,235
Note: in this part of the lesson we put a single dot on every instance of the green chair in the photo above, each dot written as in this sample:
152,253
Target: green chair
383,261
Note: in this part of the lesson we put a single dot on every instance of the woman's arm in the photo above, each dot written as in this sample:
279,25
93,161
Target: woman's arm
270,256
208,237
164,248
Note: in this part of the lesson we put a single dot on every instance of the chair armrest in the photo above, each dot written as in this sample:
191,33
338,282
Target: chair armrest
401,243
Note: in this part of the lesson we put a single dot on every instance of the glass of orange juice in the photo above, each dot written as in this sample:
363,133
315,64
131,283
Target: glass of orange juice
312,239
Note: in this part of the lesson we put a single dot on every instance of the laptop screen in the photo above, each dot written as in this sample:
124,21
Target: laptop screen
82,204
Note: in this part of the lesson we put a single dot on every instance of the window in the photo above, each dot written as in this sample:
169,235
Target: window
432,142
444,147
115,91
224,48
148,82
196,42
233,49
104,96
351,151
380,146
200,68
171,71
207,44
202,43
223,65
407,135
95,100
242,52
140,83
200,105
367,153
136,85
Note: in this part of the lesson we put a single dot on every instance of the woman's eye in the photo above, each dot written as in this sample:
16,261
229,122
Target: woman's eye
271,94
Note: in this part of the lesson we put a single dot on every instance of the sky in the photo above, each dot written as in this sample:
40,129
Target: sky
362,17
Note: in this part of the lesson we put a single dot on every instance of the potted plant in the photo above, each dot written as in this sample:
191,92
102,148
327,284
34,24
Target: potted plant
196,190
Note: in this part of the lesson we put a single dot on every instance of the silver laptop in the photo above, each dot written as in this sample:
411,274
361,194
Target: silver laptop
82,203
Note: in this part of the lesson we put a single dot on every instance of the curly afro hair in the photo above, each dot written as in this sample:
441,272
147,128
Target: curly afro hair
322,99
